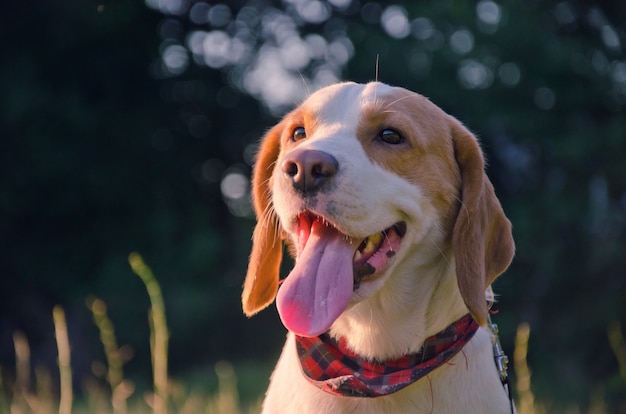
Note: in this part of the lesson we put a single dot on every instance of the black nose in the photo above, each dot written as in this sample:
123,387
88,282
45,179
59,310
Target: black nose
309,170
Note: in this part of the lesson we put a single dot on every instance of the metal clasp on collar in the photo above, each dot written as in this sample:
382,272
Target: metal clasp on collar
502,361
500,358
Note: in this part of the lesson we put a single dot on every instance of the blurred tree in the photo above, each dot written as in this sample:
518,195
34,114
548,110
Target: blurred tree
103,155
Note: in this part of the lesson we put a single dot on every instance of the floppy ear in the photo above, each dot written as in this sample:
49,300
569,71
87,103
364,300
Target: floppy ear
261,284
481,239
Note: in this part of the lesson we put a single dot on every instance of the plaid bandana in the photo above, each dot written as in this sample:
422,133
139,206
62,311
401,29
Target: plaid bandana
329,365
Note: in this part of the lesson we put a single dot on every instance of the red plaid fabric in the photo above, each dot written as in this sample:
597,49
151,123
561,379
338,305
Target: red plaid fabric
329,365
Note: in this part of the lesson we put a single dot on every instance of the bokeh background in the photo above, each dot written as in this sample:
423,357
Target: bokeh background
131,126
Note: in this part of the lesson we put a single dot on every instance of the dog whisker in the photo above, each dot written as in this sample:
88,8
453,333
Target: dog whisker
388,242
439,249
396,101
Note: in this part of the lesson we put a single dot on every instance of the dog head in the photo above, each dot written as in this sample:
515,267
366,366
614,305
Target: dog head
363,182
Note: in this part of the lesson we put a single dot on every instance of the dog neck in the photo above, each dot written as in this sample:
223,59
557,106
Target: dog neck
333,368
399,310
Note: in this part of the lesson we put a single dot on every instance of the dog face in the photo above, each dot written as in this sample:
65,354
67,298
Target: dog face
364,182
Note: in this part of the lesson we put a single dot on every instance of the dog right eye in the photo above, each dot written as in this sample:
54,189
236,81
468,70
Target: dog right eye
299,133
391,136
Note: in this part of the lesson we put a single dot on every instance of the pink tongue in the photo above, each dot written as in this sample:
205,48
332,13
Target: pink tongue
319,287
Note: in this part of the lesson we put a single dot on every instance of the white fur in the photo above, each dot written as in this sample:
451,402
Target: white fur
416,297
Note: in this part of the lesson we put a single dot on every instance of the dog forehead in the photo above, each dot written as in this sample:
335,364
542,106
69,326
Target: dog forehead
344,102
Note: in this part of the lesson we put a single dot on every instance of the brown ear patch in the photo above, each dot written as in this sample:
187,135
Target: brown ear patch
482,239
261,283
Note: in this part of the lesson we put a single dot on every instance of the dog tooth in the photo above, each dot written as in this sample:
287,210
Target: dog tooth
368,247
372,243
375,239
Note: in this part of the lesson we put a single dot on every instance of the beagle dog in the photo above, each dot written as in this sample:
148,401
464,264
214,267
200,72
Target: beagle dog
396,234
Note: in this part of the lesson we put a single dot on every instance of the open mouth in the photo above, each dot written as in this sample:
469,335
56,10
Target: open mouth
372,253
329,267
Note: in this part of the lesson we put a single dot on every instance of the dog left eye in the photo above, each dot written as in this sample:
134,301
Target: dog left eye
299,133
391,137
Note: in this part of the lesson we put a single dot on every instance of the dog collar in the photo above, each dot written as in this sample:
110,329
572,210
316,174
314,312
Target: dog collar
329,365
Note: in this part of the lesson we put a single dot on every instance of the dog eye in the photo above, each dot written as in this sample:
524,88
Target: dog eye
299,133
391,137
